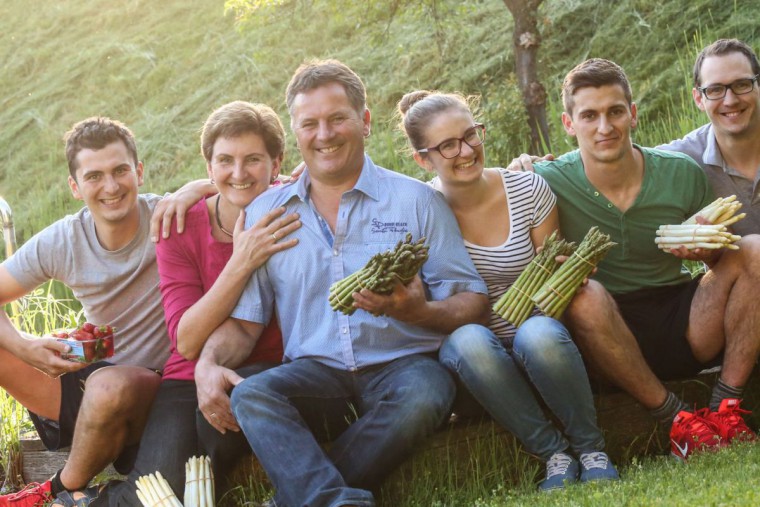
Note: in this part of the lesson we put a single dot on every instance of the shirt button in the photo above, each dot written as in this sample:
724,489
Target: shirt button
609,205
596,194
335,252
344,330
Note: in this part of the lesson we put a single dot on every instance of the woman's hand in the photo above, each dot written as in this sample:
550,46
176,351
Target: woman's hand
253,247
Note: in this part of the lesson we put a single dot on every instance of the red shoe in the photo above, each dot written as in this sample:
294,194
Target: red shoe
692,432
33,495
729,423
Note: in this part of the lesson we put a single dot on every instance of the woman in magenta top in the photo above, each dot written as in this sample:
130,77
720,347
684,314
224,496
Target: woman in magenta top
203,271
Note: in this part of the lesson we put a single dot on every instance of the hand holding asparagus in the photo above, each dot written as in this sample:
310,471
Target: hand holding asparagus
711,234
560,288
380,273
515,305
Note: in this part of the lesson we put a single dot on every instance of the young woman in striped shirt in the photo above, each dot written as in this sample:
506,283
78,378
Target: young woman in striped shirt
504,216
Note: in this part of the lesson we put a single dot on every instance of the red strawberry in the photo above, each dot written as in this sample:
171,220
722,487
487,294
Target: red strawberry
88,327
90,351
82,335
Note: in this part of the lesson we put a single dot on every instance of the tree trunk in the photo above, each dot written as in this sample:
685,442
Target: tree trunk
526,40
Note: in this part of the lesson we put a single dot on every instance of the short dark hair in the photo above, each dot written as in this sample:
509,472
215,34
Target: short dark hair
723,47
96,133
315,73
594,72
239,117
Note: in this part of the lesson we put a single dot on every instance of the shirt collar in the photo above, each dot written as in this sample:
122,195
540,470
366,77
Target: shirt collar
368,182
712,154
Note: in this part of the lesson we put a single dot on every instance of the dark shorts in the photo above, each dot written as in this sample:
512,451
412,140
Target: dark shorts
59,434
658,318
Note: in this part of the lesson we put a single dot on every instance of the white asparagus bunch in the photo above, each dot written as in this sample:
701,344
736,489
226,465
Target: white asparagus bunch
199,482
154,491
695,236
720,214
722,211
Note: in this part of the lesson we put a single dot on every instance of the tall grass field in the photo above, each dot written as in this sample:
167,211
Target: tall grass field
162,67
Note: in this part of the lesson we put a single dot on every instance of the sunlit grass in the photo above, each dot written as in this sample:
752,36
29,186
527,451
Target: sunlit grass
38,313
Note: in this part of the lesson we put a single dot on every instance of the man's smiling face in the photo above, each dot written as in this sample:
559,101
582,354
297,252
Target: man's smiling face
330,133
733,115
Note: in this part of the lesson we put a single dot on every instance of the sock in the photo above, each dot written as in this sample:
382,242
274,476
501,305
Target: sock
669,409
721,391
56,486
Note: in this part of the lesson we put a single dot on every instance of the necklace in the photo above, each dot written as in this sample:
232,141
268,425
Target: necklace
219,220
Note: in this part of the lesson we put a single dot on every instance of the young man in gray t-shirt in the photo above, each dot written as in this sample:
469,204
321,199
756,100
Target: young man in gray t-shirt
105,255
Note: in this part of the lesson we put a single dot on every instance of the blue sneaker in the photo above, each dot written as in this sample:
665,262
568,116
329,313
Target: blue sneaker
596,466
561,469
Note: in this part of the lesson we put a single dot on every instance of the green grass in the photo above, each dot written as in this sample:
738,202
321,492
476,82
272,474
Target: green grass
163,66
726,478
40,312
494,472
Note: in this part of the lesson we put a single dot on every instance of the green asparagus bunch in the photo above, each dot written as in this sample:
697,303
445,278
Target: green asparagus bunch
380,273
559,289
515,305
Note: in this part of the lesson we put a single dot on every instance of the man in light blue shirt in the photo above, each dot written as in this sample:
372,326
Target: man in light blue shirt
379,362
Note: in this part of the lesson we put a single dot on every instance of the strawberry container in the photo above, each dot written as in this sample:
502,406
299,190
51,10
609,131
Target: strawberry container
88,343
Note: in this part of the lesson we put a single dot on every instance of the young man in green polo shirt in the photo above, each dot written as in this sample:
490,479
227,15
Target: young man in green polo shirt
641,320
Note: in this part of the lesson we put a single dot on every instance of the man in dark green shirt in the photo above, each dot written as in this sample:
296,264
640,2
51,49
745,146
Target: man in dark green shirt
643,321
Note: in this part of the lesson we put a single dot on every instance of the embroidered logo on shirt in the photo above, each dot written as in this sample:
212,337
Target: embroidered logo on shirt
383,227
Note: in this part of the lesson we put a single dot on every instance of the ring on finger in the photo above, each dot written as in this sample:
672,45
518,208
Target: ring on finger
213,414
274,236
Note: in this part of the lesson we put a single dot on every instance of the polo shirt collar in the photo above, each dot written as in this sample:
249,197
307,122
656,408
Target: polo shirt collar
712,154
368,182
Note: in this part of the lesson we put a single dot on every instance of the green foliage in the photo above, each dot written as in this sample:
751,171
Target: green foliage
163,66
41,312
507,128
11,421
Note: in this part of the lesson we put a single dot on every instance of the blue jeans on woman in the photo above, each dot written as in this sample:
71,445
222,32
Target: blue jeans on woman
283,411
502,379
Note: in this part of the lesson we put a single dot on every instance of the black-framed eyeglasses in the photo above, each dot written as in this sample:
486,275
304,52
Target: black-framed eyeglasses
451,148
738,87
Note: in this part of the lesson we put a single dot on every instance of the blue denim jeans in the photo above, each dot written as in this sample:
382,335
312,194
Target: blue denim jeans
543,361
175,431
283,410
